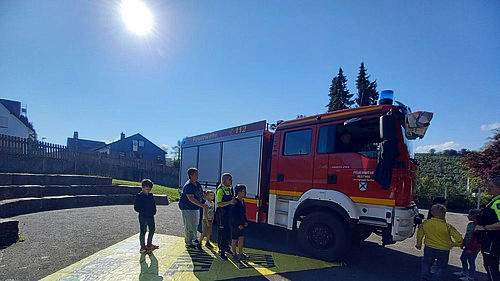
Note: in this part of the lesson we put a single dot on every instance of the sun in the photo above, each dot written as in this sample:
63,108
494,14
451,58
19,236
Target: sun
137,16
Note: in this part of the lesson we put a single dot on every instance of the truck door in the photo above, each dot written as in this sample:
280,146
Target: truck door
352,157
295,162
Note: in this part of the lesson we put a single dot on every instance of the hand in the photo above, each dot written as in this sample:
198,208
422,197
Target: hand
241,227
245,224
418,247
233,201
205,207
479,228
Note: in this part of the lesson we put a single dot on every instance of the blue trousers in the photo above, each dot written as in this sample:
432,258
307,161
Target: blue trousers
441,257
146,223
469,262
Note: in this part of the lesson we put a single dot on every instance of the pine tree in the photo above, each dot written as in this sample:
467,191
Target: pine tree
340,98
367,91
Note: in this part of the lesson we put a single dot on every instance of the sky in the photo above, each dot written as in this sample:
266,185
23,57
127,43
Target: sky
210,65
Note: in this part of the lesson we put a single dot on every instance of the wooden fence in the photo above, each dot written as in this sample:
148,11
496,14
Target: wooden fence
27,147
31,156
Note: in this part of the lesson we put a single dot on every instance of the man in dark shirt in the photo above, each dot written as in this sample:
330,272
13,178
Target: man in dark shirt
190,204
145,205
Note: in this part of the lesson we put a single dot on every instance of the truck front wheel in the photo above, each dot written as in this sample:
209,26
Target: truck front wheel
323,236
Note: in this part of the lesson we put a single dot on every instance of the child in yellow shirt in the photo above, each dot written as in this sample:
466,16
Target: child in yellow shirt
439,237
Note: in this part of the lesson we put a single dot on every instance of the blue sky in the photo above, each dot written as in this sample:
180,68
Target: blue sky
210,65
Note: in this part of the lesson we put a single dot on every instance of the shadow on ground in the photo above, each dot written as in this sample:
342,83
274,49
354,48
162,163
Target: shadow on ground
365,261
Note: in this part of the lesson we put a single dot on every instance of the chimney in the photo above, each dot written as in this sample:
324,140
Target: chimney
122,136
75,135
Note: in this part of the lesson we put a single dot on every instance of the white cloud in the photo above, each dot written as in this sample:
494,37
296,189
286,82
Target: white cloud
489,127
437,147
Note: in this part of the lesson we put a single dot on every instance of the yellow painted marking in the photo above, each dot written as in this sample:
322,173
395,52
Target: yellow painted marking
253,201
376,201
172,261
286,192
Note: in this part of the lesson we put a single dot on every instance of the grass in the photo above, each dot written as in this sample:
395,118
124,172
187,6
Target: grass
172,193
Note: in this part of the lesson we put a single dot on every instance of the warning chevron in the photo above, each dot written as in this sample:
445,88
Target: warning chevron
173,262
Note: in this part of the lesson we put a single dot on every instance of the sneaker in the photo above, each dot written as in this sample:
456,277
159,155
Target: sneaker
198,246
466,278
223,256
153,247
236,258
143,250
243,256
209,245
459,273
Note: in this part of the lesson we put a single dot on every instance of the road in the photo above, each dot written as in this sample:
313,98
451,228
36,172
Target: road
57,239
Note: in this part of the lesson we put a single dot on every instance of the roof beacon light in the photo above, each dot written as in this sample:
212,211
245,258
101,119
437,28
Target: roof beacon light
386,97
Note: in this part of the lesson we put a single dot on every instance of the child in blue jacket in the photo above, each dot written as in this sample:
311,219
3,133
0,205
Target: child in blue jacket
145,205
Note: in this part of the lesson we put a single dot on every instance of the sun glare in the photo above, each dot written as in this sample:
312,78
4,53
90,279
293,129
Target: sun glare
137,17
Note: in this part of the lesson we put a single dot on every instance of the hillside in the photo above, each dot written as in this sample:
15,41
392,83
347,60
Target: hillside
438,172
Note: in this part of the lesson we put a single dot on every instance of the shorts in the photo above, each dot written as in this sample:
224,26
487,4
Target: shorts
236,232
206,230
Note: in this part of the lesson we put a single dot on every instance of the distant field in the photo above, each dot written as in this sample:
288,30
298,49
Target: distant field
172,193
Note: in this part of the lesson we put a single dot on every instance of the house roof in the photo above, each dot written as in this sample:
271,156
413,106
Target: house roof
130,137
14,107
85,143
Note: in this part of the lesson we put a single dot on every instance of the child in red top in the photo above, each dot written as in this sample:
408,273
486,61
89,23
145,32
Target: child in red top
470,247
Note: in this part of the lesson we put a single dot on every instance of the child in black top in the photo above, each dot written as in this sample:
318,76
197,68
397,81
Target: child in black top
238,221
145,205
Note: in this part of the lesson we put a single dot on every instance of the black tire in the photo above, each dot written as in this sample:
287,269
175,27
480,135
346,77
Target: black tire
323,236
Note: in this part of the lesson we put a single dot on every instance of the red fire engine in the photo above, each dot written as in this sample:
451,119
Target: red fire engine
334,178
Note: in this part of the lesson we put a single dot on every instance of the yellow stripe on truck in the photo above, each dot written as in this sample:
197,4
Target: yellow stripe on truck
366,200
375,201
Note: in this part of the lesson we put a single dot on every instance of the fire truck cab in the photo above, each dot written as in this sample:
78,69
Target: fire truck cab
332,178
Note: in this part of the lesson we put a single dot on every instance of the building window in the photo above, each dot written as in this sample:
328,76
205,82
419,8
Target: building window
122,153
141,143
297,142
135,146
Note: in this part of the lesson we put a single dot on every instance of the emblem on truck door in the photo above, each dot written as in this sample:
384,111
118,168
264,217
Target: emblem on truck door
363,186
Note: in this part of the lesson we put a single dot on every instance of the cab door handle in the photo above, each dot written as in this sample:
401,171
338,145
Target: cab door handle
281,177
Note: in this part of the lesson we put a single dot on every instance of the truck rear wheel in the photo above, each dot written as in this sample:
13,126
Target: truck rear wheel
323,236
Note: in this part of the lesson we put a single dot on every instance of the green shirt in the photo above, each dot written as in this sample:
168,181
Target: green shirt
494,204
224,190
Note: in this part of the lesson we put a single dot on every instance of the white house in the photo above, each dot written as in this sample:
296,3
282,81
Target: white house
13,122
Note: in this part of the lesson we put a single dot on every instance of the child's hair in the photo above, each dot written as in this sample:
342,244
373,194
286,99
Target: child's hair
473,213
438,210
225,176
147,183
439,200
239,188
192,171
210,192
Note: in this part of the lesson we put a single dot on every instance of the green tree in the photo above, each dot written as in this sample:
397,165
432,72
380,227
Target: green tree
176,151
367,91
340,98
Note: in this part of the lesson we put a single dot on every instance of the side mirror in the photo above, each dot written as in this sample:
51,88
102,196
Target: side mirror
388,127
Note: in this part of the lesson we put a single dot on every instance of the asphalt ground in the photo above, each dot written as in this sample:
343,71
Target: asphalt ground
57,239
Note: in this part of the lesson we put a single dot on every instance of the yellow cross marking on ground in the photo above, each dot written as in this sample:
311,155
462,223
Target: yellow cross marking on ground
173,262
